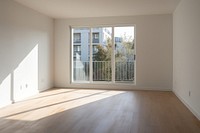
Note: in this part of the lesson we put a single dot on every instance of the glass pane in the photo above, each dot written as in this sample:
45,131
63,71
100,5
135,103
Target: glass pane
101,52
81,59
124,54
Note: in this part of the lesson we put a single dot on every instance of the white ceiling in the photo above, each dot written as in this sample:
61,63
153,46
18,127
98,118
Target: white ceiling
100,8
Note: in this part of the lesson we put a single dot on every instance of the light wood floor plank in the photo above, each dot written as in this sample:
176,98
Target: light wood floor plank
98,111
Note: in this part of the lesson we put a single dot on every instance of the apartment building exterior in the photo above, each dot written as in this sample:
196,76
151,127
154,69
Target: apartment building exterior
81,41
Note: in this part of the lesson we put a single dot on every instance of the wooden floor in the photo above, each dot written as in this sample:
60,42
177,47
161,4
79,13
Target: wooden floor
99,111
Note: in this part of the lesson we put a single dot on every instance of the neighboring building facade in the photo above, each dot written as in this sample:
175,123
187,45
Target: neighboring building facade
81,41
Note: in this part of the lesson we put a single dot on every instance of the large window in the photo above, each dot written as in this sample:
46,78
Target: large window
103,54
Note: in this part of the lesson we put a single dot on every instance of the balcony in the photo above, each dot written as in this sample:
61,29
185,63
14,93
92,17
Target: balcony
124,71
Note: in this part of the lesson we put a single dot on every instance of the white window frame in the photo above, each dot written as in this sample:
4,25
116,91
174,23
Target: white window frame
112,56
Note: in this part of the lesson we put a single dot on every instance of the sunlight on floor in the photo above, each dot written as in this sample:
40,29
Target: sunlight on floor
52,102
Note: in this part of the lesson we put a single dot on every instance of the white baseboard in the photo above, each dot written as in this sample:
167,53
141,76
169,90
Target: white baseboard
196,114
111,87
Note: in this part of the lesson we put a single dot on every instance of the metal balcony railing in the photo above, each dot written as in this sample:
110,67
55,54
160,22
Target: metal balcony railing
124,71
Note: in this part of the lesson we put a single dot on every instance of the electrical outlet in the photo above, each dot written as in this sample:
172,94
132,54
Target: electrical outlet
20,87
189,93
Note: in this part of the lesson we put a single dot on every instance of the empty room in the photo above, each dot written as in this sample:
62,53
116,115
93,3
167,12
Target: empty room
99,66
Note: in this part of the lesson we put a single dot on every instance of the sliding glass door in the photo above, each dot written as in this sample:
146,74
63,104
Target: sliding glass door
81,61
103,54
124,54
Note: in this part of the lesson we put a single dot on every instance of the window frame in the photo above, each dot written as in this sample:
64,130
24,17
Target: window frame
91,53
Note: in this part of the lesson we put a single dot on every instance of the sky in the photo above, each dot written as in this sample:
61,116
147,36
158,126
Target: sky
120,31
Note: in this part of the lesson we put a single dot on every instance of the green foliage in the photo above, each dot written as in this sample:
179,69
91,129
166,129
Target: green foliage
123,54
128,46
104,52
101,53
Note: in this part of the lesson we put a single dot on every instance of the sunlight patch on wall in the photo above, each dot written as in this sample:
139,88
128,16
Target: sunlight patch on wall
26,76
5,91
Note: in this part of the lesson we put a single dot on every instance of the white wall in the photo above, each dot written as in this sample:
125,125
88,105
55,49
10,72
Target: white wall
26,51
153,46
186,54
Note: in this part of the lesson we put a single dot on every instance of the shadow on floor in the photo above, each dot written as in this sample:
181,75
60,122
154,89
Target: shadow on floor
107,112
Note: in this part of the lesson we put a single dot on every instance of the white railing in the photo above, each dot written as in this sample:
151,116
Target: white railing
124,71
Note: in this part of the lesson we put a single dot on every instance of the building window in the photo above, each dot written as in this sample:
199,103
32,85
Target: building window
77,37
94,49
118,39
77,52
77,48
95,37
105,59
